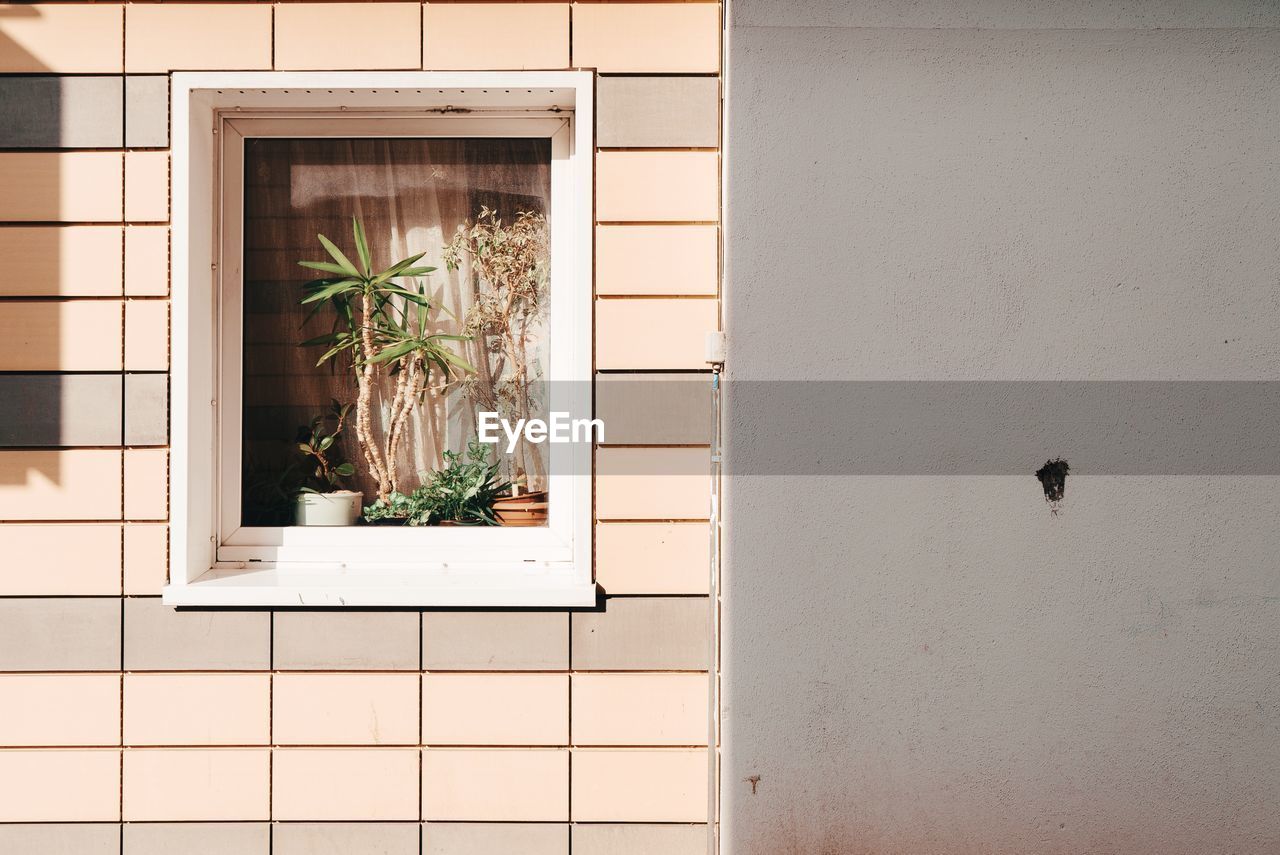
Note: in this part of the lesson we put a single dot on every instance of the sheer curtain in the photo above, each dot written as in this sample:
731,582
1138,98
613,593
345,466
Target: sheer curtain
411,195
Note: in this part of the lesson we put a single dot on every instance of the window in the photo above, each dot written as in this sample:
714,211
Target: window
319,412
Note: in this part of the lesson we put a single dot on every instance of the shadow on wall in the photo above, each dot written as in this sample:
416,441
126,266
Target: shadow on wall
32,309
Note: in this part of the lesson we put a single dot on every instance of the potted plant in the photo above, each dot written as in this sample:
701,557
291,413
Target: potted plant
462,492
522,509
514,260
383,325
322,500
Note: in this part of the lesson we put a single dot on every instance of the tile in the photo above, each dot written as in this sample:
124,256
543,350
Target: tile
485,36
61,37
345,838
196,784
197,36
49,261
382,35
658,112
647,37
197,709
495,838
161,638
146,111
61,336
146,558
146,483
654,409
623,341
60,409
640,709
345,784
61,112
60,559
495,641
146,335
345,709
640,785
146,186
687,256
346,641
68,186
653,483
495,784
62,634
643,634
60,709
78,484
146,409
60,838
633,839
475,709
146,261
657,186
64,785
653,558
197,838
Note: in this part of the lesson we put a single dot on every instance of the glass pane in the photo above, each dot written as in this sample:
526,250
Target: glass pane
476,209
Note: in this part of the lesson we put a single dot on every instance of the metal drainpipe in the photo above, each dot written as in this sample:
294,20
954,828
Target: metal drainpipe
716,352
715,357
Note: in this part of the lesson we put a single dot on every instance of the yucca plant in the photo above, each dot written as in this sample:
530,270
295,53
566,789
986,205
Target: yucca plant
384,326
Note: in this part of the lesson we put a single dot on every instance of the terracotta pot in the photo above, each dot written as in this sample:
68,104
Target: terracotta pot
341,507
523,510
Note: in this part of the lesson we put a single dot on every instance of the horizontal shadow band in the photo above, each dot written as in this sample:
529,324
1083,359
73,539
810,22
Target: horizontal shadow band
1002,427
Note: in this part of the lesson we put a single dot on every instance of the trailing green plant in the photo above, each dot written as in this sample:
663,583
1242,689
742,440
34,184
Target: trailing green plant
316,443
462,491
514,260
383,325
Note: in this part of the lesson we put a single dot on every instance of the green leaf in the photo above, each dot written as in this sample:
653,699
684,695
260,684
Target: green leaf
327,267
457,360
334,351
326,442
346,470
397,269
411,296
362,246
395,351
336,254
327,338
340,287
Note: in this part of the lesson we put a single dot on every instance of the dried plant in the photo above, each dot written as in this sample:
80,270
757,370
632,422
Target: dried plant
383,325
510,269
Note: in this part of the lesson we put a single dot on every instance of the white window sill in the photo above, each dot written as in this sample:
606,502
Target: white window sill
321,586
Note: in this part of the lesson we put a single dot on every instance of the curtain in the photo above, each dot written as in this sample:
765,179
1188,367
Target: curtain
411,195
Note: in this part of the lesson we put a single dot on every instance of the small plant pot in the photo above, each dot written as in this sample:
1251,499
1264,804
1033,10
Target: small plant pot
341,507
523,510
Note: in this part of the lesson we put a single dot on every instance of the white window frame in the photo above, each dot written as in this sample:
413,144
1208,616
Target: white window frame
216,562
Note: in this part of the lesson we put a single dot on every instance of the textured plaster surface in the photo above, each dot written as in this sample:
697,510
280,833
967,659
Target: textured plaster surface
936,663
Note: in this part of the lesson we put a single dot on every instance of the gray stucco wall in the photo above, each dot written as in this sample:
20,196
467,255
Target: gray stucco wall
932,661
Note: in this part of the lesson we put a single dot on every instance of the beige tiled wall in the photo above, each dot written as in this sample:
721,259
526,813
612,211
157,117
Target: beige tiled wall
129,728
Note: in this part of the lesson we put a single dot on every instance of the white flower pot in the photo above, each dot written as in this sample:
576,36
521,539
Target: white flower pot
341,507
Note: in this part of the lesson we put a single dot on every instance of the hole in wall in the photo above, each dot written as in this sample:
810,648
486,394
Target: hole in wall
1053,478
